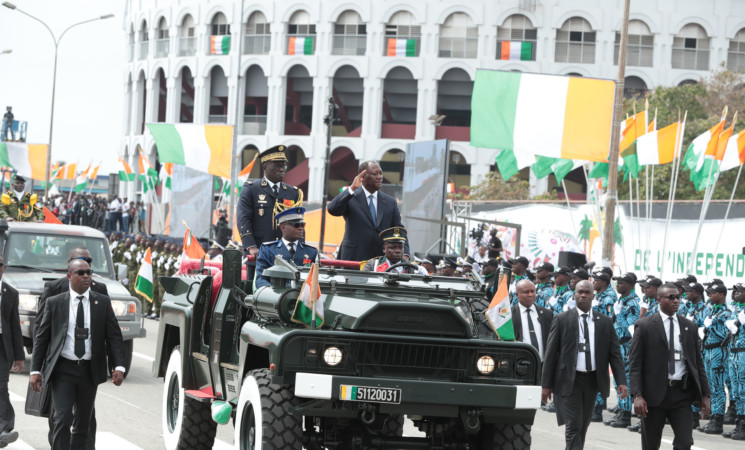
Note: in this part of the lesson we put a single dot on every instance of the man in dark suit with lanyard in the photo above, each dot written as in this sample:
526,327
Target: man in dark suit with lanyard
367,211
581,345
11,355
531,322
667,372
70,352
261,200
58,286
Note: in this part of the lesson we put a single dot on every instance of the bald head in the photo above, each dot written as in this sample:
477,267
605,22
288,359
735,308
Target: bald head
525,290
584,294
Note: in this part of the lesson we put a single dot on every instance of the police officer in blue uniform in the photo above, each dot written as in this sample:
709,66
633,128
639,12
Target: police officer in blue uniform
649,305
291,246
557,301
736,326
605,298
696,310
544,288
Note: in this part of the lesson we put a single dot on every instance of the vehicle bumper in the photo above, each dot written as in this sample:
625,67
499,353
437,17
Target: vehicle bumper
328,387
131,329
28,325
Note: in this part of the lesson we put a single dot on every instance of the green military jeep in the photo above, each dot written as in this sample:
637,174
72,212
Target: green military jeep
391,346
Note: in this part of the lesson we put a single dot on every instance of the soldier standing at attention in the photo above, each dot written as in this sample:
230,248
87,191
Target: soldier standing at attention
20,206
605,298
736,326
696,311
519,267
649,305
157,245
557,301
544,289
261,200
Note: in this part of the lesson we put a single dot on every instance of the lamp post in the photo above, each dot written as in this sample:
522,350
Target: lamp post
56,41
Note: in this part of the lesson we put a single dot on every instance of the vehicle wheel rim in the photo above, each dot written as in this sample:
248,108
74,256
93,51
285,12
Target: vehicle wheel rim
173,402
248,428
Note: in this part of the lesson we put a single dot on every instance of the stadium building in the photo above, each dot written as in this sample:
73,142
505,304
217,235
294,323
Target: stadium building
398,71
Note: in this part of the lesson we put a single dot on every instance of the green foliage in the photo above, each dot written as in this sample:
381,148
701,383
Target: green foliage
495,188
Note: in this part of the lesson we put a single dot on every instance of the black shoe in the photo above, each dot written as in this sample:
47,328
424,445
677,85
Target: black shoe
623,420
715,425
8,437
738,434
550,408
597,414
612,419
696,422
730,416
613,410
636,427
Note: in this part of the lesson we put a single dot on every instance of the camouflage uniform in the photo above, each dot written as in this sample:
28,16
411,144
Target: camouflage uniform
27,209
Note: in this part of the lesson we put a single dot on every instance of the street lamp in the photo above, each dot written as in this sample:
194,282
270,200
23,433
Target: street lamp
56,41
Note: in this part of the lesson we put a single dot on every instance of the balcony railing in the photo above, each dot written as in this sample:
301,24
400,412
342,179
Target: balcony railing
254,124
257,44
349,45
144,46
161,48
458,47
187,46
216,118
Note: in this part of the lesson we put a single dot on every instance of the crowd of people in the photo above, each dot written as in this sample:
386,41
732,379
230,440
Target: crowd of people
111,213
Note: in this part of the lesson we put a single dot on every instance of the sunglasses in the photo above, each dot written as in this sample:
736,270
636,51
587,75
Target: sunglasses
83,258
671,297
297,225
82,272
2,265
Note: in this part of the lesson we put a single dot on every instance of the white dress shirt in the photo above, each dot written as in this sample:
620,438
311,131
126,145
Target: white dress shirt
68,349
271,185
287,244
536,326
680,365
581,366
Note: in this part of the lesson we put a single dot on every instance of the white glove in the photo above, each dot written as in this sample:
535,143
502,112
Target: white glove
128,255
552,301
731,326
617,307
741,316
701,333
707,322
114,244
153,254
644,305
132,247
631,330
595,303
125,281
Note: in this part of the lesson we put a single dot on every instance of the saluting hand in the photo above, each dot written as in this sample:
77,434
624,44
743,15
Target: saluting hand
117,377
358,181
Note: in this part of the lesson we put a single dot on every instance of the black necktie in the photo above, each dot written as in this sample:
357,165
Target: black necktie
531,330
588,354
80,323
292,249
671,351
276,190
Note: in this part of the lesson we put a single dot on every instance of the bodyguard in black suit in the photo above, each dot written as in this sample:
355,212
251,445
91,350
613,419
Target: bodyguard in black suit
11,356
576,368
71,354
531,322
58,286
364,221
667,372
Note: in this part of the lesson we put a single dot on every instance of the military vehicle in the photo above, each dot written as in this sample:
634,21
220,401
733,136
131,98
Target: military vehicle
37,252
391,346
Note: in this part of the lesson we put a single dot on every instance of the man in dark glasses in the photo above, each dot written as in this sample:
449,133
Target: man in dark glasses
11,355
70,350
56,287
667,372
291,246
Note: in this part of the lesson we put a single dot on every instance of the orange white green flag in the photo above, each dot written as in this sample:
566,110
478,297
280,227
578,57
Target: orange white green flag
309,305
66,172
206,148
660,147
125,172
192,248
81,180
546,115
499,313
28,160
144,282
734,154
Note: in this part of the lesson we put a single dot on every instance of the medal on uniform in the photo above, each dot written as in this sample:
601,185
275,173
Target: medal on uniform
261,211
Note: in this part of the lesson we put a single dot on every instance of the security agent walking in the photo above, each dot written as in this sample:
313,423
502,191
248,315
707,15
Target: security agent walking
11,355
15,205
666,372
581,345
291,246
367,211
530,321
261,200
736,325
394,240
70,352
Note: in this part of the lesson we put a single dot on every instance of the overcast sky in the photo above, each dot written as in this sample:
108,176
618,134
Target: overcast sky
90,76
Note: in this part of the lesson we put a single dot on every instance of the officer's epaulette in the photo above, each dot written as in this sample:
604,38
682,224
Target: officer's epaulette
271,243
295,187
284,186
250,182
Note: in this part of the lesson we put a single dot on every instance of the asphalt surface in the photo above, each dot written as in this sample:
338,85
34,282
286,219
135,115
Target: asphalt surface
129,416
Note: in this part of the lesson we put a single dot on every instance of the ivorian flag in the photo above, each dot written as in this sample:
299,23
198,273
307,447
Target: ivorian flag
81,180
192,248
220,45
401,47
499,313
509,163
516,51
300,46
547,115
144,283
29,160
206,148
125,172
309,302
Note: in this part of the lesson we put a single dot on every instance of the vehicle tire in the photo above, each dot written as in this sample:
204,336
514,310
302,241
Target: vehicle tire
187,423
392,426
263,421
506,437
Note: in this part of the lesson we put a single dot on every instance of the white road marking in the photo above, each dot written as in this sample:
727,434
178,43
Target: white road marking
693,447
19,445
106,439
221,445
128,404
143,356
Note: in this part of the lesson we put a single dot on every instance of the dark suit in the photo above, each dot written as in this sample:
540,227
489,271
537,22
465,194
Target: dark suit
545,317
361,236
576,392
74,384
256,211
304,254
12,350
648,375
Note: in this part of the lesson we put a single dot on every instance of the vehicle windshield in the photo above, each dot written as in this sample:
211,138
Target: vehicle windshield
51,251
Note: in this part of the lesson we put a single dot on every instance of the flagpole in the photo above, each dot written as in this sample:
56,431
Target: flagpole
569,206
631,206
638,213
650,204
674,184
234,152
729,205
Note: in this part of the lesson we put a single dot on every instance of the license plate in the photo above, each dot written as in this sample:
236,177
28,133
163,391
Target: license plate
369,394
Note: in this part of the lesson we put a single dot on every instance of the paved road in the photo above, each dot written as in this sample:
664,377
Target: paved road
129,416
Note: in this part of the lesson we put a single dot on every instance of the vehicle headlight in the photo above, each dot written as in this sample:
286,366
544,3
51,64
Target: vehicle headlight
123,307
28,302
332,356
485,365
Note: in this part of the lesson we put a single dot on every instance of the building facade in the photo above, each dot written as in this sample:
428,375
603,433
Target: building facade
398,71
